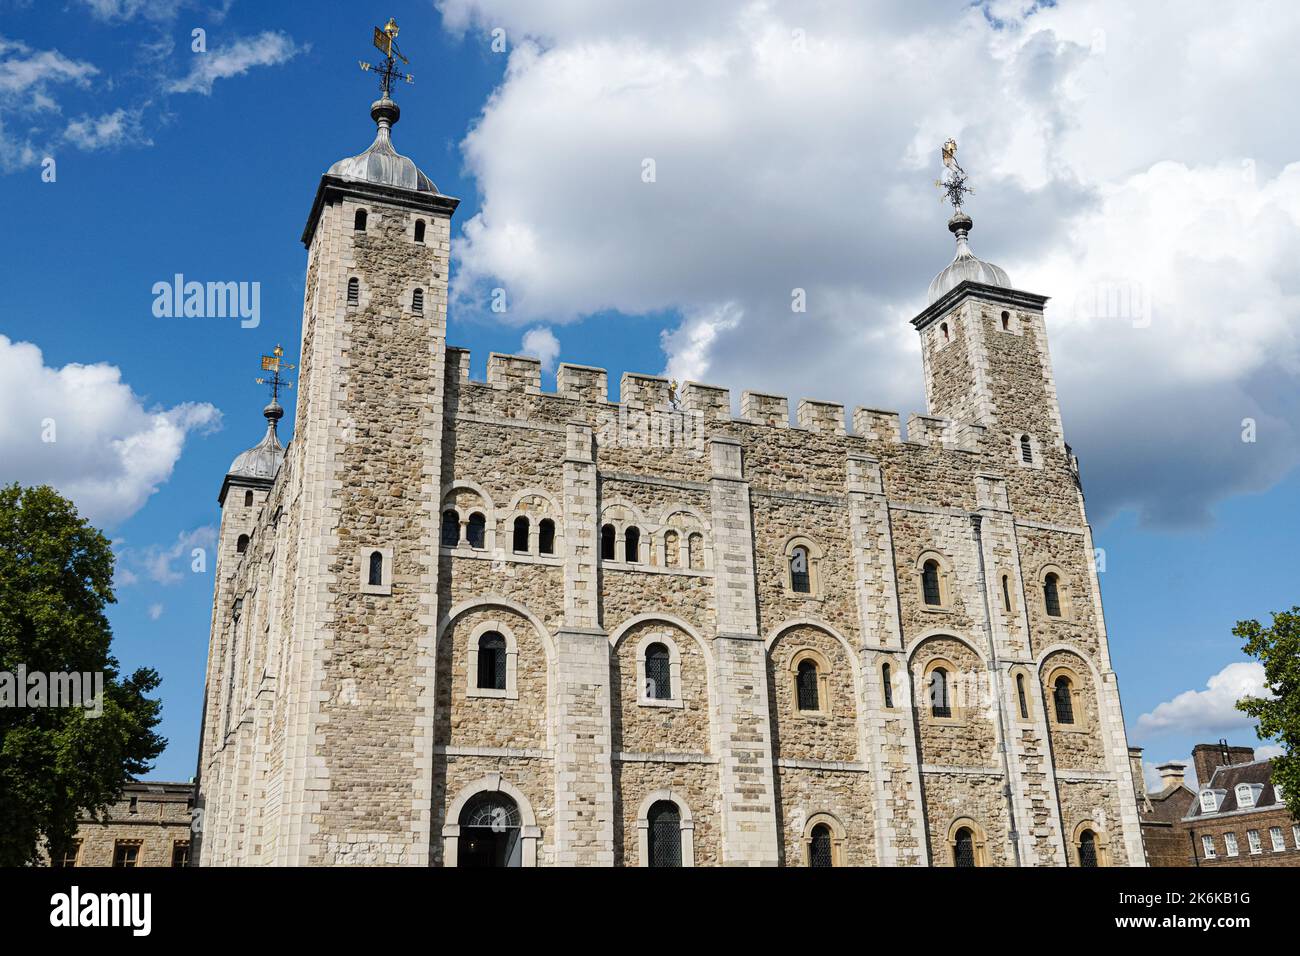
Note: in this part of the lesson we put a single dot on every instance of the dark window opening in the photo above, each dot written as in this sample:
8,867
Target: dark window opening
477,530
665,837
354,291
1052,595
419,230
181,853
1026,450
658,673
940,702
963,851
1006,593
248,499
241,545
492,661
376,575
806,685
607,550
1087,849
800,580
450,528
1006,321
521,534
417,301
887,677
930,583
819,847
1020,694
359,221
1062,694
632,545
546,536
126,854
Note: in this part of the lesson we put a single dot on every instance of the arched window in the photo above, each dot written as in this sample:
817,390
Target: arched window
930,583
248,499
963,848
1087,849
665,836
820,852
241,545
1006,593
695,551
1052,594
607,547
359,221
489,832
943,327
806,686
419,230
1020,695
940,695
477,530
546,536
658,673
800,582
672,549
1063,697
632,545
375,576
521,534
354,291
450,528
492,661
1006,321
1026,450
887,679
417,301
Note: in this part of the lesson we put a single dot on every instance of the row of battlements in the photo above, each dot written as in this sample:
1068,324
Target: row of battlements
523,375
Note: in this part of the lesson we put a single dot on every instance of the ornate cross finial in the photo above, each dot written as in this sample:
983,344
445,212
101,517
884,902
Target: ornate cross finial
954,185
272,363
386,43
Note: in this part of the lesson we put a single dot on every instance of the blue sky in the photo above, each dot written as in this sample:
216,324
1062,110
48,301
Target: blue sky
170,161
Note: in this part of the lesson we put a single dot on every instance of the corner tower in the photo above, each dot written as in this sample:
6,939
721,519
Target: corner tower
357,768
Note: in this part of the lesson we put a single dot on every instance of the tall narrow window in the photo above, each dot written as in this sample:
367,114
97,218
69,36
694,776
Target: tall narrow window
806,686
930,583
181,853
1026,450
963,850
800,581
665,836
359,221
607,546
419,230
354,291
695,551
632,545
248,499
940,698
887,679
375,576
1087,849
1020,695
450,528
546,536
1006,321
417,301
477,530
658,673
1006,593
492,661
820,852
521,535
1052,595
241,544
943,327
1062,695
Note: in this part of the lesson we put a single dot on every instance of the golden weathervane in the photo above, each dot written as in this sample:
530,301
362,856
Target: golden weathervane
385,41
274,364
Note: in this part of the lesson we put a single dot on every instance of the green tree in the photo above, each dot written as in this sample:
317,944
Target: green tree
56,576
1278,648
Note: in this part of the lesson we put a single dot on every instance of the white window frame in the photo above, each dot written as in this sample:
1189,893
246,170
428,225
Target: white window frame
1212,805
385,585
1295,835
1277,838
1254,842
511,691
1207,847
1247,795
674,671
1230,844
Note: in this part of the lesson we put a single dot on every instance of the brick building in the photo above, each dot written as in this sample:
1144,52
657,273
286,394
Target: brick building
462,622
1238,817
148,825
1161,814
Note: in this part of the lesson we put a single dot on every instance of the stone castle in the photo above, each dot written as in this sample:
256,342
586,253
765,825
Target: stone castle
477,623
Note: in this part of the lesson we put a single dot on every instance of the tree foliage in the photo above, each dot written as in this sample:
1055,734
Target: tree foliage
56,575
1278,648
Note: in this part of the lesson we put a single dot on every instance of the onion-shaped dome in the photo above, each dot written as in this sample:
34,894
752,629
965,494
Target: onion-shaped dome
263,459
965,265
381,164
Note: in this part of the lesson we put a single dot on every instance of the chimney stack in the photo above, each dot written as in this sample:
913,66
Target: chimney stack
1210,757
1172,774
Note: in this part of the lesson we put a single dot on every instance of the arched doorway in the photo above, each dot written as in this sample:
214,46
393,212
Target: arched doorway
490,827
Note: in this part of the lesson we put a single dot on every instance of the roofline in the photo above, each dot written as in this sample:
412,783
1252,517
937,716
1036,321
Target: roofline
243,481
1012,297
332,187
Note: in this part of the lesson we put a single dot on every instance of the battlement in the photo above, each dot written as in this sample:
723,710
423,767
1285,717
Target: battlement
521,374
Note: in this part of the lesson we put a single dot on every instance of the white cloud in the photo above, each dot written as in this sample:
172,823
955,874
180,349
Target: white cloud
119,127
109,453
24,71
159,10
541,343
155,611
1212,710
794,147
269,48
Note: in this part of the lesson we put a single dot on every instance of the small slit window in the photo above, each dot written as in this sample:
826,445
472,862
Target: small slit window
943,330
1063,698
1021,699
248,499
806,686
359,221
354,291
417,301
477,530
1026,450
658,673
887,679
800,581
492,661
607,539
1006,593
241,545
450,528
930,583
419,231
1052,594
632,545
546,536
1006,321
940,697
375,575
521,535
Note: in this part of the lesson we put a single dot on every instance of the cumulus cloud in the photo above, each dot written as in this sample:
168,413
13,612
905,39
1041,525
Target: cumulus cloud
117,128
793,148
236,58
1212,710
81,429
541,343
121,10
